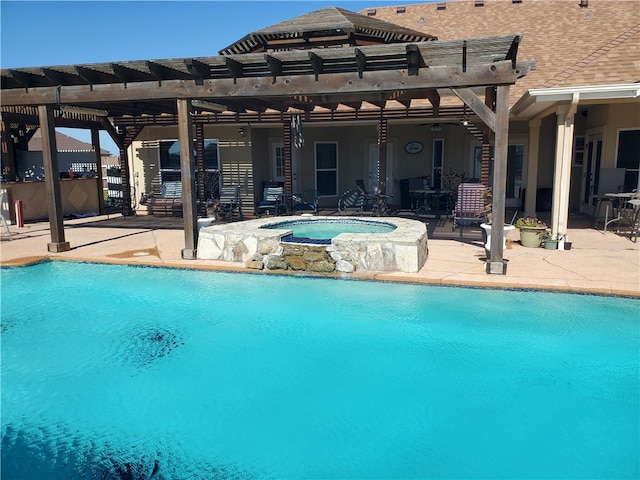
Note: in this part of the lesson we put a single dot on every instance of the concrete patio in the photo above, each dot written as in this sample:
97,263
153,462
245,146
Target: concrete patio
598,262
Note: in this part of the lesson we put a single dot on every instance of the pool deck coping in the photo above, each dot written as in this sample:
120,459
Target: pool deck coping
599,262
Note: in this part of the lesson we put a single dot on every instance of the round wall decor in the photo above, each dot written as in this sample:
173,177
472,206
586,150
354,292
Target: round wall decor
413,147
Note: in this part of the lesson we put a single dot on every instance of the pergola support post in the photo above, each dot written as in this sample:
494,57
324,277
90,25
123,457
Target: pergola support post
187,168
496,262
95,141
126,183
52,180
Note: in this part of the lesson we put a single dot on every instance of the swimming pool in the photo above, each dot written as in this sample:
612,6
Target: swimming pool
326,229
117,372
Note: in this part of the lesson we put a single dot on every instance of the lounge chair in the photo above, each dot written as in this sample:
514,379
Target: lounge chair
306,202
3,198
271,199
229,203
351,200
369,198
470,205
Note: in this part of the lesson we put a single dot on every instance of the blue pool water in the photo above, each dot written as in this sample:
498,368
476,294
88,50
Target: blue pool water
129,373
317,229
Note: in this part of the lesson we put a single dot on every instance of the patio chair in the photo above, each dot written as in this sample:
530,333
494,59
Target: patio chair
229,202
369,198
271,199
351,200
470,206
3,197
306,202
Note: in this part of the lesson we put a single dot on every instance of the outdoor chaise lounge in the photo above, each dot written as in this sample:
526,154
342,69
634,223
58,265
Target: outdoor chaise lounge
470,209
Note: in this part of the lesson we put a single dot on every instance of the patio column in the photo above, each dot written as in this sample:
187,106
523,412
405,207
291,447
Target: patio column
52,180
562,170
532,168
187,172
496,263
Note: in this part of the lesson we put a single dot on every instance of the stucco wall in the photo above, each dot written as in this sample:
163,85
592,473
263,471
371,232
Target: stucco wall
79,196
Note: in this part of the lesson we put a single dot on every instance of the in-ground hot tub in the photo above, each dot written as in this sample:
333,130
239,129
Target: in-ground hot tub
396,244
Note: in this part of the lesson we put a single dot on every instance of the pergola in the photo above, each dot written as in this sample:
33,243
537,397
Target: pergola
266,86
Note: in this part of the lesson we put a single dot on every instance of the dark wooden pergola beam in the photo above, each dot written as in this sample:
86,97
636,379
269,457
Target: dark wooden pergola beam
93,77
61,78
317,63
198,70
275,65
162,72
128,75
286,86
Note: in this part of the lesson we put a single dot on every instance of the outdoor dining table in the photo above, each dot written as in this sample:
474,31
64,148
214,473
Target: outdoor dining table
617,203
422,198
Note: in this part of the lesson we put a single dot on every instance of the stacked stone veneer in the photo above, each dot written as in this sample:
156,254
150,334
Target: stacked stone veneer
404,249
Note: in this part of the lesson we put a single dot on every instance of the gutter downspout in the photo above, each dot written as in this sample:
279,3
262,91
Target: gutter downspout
562,172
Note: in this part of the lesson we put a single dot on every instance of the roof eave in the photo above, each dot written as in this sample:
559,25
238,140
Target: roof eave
537,100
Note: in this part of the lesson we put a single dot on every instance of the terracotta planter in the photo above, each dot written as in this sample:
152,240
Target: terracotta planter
531,236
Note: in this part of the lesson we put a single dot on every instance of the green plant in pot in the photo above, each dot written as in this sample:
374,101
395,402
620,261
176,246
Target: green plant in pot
532,231
549,242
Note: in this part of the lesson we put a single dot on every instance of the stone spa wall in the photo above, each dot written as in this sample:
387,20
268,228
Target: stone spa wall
404,249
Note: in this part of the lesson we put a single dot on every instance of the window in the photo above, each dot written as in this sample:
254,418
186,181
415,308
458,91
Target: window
628,157
210,155
326,168
438,161
278,161
578,151
169,152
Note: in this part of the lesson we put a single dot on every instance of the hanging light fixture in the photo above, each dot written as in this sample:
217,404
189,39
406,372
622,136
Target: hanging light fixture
436,127
210,106
96,112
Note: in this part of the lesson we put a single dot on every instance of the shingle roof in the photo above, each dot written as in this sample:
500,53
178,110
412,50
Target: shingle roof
322,27
573,45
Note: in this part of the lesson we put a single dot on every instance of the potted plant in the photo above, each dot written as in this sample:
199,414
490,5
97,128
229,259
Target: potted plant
532,230
486,225
549,242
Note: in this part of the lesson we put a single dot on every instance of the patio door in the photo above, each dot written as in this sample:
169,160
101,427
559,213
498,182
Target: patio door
591,171
515,167
373,168
277,162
